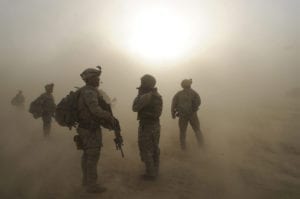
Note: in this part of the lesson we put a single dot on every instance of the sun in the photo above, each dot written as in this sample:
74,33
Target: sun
159,34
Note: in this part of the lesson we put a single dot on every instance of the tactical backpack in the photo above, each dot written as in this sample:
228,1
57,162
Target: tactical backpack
36,107
66,110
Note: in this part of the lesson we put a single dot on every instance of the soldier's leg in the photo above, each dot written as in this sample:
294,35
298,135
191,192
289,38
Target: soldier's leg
141,142
194,121
156,159
91,141
146,149
83,136
148,159
156,154
92,158
46,124
84,168
150,166
182,122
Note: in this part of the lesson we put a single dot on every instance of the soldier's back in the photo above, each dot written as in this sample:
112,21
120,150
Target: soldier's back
48,102
86,93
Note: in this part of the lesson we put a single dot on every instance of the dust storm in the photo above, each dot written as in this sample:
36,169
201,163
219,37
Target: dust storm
247,77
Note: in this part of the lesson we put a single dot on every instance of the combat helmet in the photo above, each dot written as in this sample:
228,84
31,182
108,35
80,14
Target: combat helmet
147,81
90,72
49,86
186,83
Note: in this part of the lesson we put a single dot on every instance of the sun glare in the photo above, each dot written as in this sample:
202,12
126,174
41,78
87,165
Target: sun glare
158,34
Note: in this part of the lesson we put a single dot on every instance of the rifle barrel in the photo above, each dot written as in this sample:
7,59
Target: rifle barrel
122,153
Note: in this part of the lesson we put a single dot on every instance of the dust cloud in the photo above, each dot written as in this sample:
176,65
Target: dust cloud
248,81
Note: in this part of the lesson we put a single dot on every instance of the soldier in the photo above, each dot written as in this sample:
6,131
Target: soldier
148,104
48,108
185,105
90,113
19,100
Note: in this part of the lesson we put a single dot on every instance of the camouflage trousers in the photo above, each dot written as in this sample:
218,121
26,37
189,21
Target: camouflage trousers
194,122
91,144
47,120
148,141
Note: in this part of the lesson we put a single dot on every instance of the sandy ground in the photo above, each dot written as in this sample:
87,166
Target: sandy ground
248,154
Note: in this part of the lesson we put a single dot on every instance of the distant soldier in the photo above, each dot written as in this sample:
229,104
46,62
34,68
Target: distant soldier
48,108
19,100
148,104
90,115
185,105
44,107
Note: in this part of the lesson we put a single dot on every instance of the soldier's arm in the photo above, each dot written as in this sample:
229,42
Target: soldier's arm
53,102
158,107
173,106
197,99
141,101
90,98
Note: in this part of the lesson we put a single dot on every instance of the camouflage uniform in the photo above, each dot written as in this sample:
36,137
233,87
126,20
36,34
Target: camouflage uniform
19,100
48,109
89,131
185,105
148,104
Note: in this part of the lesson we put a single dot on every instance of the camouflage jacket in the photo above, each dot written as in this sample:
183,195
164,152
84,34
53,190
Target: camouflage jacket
185,102
47,103
148,106
89,110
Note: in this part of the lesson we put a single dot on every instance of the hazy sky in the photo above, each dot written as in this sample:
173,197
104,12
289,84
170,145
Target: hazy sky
220,44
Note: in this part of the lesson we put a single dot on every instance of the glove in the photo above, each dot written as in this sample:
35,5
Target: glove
119,140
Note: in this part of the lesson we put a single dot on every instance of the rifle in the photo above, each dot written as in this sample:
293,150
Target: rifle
118,138
115,126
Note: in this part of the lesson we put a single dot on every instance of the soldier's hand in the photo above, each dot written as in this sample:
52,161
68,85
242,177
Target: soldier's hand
146,97
119,140
140,91
112,121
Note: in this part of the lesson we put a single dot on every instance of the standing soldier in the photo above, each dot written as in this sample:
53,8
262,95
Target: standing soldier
148,104
185,105
48,106
19,100
90,113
